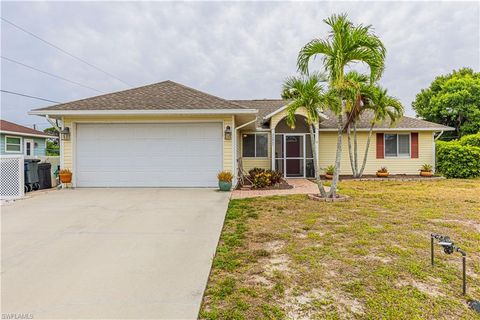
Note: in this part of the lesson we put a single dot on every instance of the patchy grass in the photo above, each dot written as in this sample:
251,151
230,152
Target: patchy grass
294,258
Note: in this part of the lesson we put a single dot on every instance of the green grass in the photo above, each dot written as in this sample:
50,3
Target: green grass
291,257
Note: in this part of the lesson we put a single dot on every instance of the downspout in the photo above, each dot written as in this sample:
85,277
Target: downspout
435,150
53,123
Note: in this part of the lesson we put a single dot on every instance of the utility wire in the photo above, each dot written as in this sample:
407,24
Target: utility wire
66,52
28,96
50,74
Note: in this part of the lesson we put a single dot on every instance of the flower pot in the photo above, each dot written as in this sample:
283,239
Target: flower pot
328,176
65,177
426,173
224,185
382,174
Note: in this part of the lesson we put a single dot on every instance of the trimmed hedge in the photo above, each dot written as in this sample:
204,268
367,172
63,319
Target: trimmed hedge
456,160
471,140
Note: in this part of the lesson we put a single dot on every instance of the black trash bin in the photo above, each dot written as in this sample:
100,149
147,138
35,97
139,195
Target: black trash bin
31,174
44,175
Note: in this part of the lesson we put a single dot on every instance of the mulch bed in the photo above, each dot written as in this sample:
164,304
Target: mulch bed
279,186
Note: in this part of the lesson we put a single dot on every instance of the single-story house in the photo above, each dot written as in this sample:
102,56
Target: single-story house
170,135
17,139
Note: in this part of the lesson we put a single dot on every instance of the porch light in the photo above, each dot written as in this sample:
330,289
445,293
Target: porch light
65,134
228,133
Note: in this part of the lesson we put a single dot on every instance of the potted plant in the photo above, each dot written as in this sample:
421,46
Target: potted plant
65,176
225,180
382,172
426,170
329,170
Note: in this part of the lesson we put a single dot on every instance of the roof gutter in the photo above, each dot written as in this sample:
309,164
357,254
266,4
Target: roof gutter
24,134
141,112
392,129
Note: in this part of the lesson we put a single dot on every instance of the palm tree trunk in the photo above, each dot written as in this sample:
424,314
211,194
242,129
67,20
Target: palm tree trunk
350,152
318,181
366,151
338,158
355,147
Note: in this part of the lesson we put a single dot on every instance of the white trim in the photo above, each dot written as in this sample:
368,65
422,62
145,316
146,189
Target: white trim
394,129
399,156
20,144
271,114
23,134
143,112
234,151
272,148
32,147
434,152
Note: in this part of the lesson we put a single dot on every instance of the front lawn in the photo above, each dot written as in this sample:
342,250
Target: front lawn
294,258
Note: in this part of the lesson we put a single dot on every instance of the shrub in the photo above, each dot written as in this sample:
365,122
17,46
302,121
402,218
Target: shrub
261,180
253,172
471,140
383,169
455,160
275,176
225,176
65,171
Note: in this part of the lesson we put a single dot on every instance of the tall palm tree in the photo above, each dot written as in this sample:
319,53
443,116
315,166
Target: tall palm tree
307,92
346,44
383,107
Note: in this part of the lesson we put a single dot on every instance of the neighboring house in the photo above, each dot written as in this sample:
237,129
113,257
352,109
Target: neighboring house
169,135
17,139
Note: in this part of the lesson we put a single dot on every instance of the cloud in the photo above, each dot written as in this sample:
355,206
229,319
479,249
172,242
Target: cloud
230,49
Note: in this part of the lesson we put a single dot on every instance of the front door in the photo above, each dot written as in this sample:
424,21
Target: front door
28,147
294,158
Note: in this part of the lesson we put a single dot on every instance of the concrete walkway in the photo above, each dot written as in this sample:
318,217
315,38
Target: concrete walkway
110,253
300,186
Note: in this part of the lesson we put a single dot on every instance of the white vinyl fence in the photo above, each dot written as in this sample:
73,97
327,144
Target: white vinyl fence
11,177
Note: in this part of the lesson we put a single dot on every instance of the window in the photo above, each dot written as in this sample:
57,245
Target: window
255,145
397,145
13,144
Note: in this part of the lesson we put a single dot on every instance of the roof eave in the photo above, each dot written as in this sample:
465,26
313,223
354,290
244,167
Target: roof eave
142,112
393,129
25,134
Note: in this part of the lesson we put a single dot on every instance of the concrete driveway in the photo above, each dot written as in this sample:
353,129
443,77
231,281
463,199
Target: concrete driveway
110,253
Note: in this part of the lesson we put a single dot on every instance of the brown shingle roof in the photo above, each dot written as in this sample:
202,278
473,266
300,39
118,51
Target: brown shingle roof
267,106
166,95
264,107
13,127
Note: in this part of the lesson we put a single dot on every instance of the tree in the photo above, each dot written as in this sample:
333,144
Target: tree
53,149
346,44
307,92
452,100
366,98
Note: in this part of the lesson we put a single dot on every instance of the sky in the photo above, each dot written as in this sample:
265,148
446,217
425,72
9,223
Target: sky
234,50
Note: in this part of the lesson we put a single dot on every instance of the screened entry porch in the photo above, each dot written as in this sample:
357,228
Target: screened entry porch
293,154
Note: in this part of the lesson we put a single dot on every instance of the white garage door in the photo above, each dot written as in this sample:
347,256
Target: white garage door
148,155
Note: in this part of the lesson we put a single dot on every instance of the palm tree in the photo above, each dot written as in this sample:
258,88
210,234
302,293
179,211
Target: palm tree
307,92
346,44
383,107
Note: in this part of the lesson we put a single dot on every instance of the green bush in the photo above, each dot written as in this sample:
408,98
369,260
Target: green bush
261,180
471,140
455,160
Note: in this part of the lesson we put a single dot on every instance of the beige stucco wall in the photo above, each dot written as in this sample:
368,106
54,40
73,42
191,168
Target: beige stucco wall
68,146
328,144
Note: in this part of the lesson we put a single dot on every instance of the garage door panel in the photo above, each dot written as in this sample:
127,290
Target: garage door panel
148,155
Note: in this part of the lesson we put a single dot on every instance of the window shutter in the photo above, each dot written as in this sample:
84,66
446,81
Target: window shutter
414,144
380,151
